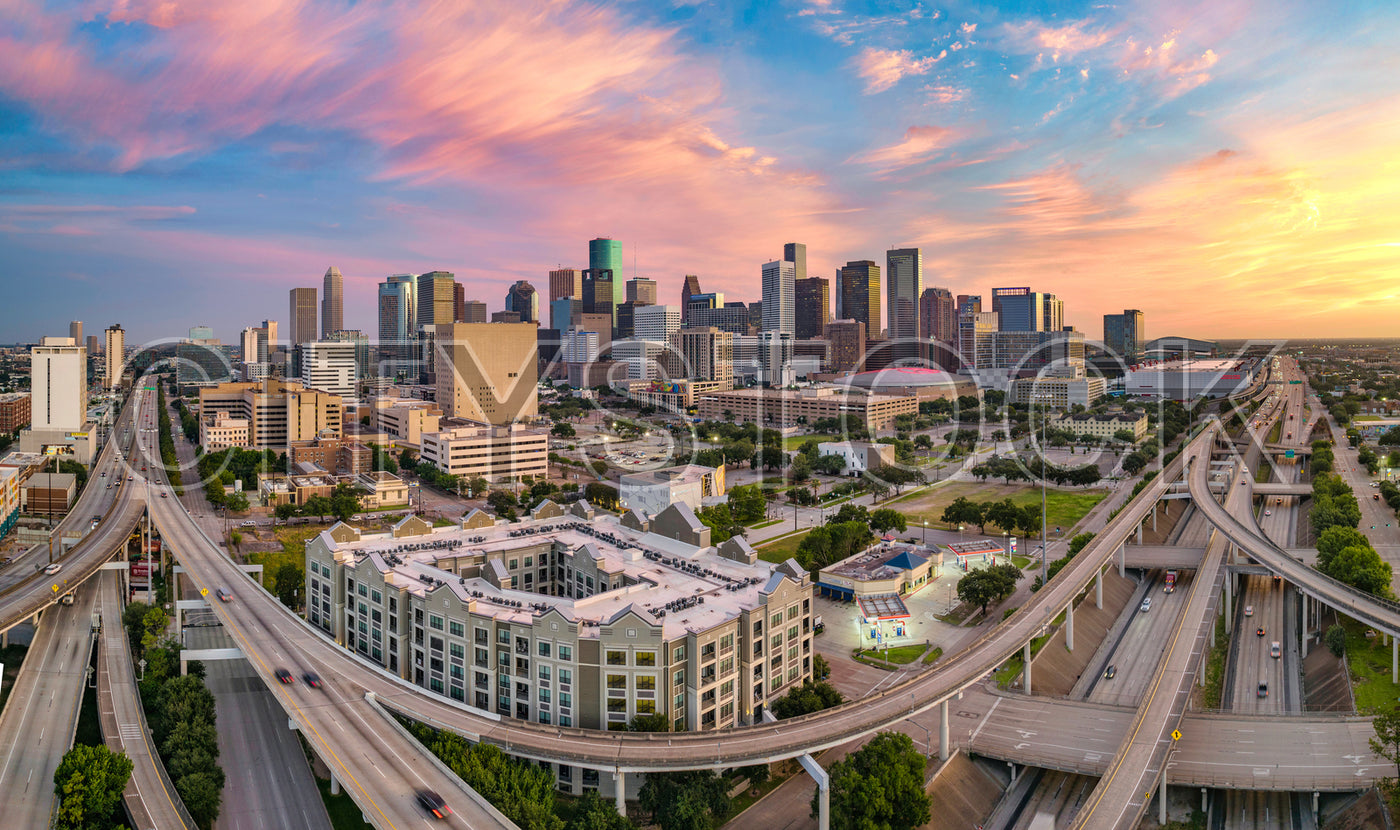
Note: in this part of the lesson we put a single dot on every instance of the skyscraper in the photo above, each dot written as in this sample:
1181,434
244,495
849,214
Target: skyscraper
58,380
904,282
598,294
1021,309
702,354
858,289
487,371
606,255
398,317
796,253
473,311
968,304
565,282
332,301
812,306
459,302
938,315
779,299
1124,334
75,331
847,344
116,356
436,299
564,312
1053,313
657,322
689,288
641,291
301,317
523,299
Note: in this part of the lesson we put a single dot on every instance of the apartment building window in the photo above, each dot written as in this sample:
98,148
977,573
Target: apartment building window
456,629
617,658
678,654
646,658
617,682
566,653
481,636
543,649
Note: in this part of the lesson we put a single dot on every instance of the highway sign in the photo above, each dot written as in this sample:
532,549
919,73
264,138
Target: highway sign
1176,734
204,592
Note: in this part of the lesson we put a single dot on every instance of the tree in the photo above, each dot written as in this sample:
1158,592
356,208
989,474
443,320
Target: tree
563,430
655,722
988,585
345,502
1336,639
235,538
288,581
811,696
879,786
1133,463
963,511
202,795
1079,542
684,800
886,519
236,502
1362,568
746,503
603,495
850,513
1030,522
284,510
1333,540
89,782
594,813
1386,742
406,460
317,506
1004,514
835,465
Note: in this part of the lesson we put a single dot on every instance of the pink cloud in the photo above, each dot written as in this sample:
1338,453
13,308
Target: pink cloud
883,68
1180,74
920,143
943,94
1060,41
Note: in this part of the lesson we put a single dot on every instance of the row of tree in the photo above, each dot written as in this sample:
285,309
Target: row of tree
1004,514
847,532
1345,554
985,586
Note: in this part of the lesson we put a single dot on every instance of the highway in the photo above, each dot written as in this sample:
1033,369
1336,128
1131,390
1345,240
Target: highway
41,715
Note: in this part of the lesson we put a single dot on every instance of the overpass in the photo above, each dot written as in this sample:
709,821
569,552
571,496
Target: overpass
1279,489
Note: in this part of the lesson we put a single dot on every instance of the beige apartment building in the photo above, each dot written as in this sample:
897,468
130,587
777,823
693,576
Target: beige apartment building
702,354
780,408
279,412
488,371
405,421
495,453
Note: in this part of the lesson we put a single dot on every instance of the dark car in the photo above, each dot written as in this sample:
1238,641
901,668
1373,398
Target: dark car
1263,690
311,679
1259,631
1110,672
433,803
285,677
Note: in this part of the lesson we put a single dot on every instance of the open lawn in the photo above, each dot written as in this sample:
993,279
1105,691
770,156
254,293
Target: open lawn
793,443
293,541
1063,508
783,548
1369,661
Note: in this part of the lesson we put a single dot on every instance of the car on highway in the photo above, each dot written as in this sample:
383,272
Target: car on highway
1146,604
1249,610
1110,672
223,594
1263,690
1268,512
53,568
1259,631
433,803
284,677
1275,649
311,679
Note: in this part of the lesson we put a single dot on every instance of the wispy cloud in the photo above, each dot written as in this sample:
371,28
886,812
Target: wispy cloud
883,68
1059,41
919,144
1179,74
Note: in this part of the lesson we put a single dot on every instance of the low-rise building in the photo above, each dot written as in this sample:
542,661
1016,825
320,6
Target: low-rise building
14,411
380,490
785,408
334,455
887,568
9,499
219,430
49,494
859,455
495,453
406,420
1105,425
1057,392
278,412
25,463
677,396
655,490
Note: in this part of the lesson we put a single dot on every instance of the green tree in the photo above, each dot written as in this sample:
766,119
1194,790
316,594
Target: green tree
1333,540
1336,639
89,782
235,538
600,494
655,722
594,813
746,503
880,786
986,586
318,506
345,502
1004,514
811,696
849,512
684,800
1386,742
1079,542
1362,568
886,519
564,430
236,502
284,510
203,796
287,582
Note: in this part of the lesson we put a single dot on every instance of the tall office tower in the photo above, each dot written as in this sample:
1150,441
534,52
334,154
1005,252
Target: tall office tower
904,282
779,298
487,371
689,288
599,324
302,317
58,382
756,316
657,322
1124,334
606,255
796,253
564,312
1053,309
938,315
565,282
976,338
473,311
1021,309
847,339
523,299
811,307
702,354
332,301
364,368
329,366
579,346
94,346
775,358
436,299
733,317
641,291
398,319
968,304
598,294
248,341
75,331
858,289
627,318
459,302
116,356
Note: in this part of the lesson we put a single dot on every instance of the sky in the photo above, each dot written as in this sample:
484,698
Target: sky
1228,166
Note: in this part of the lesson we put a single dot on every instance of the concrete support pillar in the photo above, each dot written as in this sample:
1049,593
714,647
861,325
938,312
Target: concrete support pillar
943,731
1162,800
1394,660
1069,626
1154,516
1012,764
1303,635
1122,560
1204,791
1098,591
335,785
1026,658
184,667
5,638
620,792
1314,806
1229,589
823,790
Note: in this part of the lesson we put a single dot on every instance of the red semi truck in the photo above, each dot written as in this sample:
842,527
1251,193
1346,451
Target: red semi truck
1171,582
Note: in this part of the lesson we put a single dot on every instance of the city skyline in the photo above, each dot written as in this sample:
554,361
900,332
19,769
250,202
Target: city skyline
1135,156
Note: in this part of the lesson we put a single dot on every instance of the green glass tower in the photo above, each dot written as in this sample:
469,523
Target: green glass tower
606,255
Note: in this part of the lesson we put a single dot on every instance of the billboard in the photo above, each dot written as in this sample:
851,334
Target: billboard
666,387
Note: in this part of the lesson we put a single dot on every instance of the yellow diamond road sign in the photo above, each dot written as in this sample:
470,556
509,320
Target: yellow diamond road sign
1176,734
204,592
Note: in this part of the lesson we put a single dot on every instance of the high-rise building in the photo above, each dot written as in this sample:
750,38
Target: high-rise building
332,301
473,311
627,319
398,320
847,339
904,282
689,288
330,366
598,294
565,282
968,304
938,315
599,324
116,356
641,291
796,253
273,412
775,358
564,312
733,317
579,346
657,322
1020,309
364,366
459,302
75,331
606,255
487,371
756,316
58,382
702,354
1053,309
643,358
436,299
94,346
1124,334
301,317
523,299
812,307
976,343
779,298
858,290
506,316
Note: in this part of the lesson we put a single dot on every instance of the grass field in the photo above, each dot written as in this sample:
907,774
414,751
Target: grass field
793,442
293,551
899,655
1369,661
1063,508
782,548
